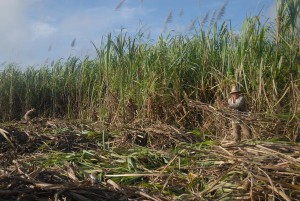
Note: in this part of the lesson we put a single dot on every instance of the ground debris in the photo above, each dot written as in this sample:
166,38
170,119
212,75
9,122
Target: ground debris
155,135
74,162
19,188
262,124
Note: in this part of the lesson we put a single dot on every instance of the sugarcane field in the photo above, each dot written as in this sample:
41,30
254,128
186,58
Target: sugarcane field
210,113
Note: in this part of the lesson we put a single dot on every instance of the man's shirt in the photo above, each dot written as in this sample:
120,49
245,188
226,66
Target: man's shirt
239,104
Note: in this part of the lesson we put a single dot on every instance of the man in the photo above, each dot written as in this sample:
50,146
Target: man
238,102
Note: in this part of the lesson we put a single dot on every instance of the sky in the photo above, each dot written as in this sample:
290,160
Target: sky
36,32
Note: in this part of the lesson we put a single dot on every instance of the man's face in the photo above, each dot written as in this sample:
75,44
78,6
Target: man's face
235,95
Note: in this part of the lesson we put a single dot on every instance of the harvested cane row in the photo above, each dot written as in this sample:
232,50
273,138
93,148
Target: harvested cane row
262,125
250,172
96,166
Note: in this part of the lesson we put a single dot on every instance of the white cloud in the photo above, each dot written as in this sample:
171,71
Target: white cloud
11,21
14,28
29,27
42,29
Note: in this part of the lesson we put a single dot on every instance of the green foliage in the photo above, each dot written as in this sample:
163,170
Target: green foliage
263,58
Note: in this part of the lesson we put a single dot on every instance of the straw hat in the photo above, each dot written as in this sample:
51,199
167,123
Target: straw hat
235,89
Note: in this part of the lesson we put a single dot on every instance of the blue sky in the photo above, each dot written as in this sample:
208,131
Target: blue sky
37,31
